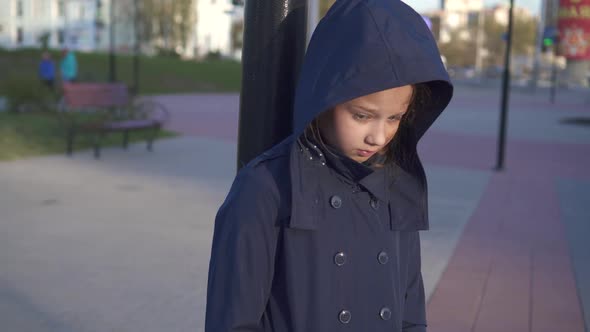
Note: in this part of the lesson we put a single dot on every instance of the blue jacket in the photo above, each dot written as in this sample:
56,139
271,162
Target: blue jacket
46,69
301,245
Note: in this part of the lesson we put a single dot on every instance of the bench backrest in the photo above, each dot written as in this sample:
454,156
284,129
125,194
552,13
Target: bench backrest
91,95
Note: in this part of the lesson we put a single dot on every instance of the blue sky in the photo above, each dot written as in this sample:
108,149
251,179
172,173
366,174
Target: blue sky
420,5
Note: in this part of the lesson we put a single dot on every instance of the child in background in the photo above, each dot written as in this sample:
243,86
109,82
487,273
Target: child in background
69,66
47,70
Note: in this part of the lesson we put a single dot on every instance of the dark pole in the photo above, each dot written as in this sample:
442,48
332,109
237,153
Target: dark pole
553,77
137,49
505,93
112,69
274,44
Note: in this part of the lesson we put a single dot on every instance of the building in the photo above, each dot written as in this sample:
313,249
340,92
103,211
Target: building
84,25
455,15
77,24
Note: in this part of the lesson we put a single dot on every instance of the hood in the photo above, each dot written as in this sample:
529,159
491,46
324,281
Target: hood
365,46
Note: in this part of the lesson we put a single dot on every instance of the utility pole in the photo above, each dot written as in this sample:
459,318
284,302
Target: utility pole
505,92
479,46
538,46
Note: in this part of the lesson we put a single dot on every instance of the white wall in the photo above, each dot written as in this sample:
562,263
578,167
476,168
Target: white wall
463,5
213,27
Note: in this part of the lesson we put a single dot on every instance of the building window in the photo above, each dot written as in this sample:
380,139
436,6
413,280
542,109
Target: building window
61,9
19,8
19,36
60,37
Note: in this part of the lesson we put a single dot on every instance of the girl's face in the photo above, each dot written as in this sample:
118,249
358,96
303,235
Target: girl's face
361,127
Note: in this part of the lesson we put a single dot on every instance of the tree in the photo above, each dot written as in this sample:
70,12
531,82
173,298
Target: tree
44,39
237,35
167,23
460,50
523,37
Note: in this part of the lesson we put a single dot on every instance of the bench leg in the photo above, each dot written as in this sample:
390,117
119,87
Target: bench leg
97,141
152,138
70,141
125,139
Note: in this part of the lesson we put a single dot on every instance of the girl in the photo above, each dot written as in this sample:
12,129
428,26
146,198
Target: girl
320,233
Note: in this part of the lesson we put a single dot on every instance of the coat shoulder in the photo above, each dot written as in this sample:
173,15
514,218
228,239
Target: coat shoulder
281,149
270,172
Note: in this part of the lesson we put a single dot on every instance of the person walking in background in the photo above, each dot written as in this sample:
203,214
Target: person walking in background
47,70
69,66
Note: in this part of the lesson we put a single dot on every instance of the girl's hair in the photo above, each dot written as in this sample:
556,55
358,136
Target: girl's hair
402,148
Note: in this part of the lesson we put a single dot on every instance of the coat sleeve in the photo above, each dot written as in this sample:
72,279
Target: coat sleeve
242,255
414,319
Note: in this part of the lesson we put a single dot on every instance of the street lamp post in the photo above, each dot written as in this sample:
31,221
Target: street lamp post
112,68
505,93
274,44
137,48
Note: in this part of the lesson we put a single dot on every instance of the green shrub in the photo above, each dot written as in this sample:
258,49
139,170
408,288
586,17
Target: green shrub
28,94
213,55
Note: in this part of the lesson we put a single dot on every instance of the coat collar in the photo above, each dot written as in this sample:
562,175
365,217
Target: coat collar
350,172
402,192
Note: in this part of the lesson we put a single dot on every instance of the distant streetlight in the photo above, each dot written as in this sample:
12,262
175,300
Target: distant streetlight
112,68
137,47
505,93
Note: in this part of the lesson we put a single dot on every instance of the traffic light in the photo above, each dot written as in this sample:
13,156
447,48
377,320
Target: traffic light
547,44
549,38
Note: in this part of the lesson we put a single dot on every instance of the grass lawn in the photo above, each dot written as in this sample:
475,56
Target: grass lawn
33,134
158,75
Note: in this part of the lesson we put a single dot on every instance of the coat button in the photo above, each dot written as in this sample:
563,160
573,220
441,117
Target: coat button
336,201
385,313
344,316
374,202
383,257
340,258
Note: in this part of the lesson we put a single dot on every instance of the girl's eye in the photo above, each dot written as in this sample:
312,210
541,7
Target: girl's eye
396,117
360,116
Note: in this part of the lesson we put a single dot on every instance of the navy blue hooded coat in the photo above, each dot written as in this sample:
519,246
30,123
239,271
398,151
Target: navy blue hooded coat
303,244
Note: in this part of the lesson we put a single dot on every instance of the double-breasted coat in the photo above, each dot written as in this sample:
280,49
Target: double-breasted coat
307,243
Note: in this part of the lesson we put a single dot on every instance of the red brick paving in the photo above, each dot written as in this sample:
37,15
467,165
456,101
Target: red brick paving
511,270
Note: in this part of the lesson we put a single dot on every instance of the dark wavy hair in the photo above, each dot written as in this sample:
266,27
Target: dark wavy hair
401,150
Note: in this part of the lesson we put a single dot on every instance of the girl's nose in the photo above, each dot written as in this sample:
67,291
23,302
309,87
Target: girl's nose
378,135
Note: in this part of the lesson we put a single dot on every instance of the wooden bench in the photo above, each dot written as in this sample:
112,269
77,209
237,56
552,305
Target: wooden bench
110,108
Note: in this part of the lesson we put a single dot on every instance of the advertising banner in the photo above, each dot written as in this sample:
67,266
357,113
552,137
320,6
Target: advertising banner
574,29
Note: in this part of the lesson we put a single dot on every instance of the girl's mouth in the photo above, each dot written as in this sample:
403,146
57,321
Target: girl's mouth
364,153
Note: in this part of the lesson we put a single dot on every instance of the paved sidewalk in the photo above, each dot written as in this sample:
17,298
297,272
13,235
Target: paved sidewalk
122,244
521,263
